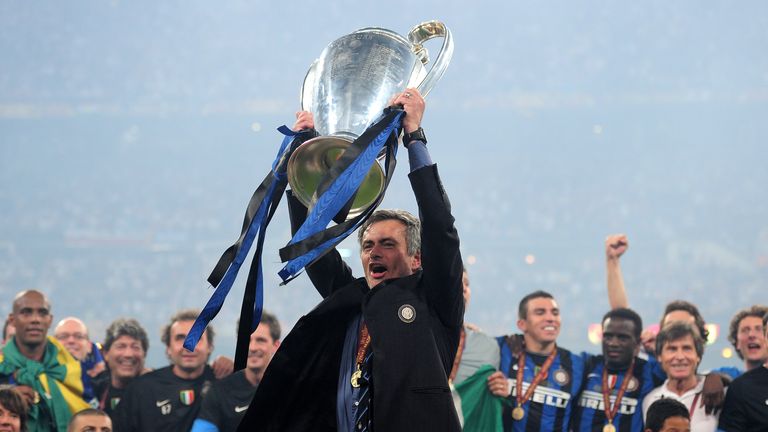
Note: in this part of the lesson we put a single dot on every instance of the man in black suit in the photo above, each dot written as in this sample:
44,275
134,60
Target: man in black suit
376,352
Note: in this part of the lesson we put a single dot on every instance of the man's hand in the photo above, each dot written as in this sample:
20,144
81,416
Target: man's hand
498,384
413,105
615,246
648,339
713,393
223,366
30,396
304,120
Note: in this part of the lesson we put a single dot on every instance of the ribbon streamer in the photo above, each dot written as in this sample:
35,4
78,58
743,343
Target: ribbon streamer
255,221
312,240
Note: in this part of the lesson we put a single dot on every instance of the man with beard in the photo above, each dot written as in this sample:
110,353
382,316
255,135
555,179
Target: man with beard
168,399
43,371
617,381
225,404
125,348
540,379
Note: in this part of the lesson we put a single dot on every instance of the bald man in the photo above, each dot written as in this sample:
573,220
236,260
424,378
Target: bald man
73,334
39,366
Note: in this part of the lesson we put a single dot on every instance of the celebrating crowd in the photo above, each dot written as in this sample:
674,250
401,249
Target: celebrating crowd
389,351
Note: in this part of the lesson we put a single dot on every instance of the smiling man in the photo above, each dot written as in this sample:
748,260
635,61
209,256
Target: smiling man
541,380
375,354
125,349
679,348
168,399
225,404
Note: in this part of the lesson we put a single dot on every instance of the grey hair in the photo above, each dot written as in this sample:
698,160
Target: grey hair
411,222
126,327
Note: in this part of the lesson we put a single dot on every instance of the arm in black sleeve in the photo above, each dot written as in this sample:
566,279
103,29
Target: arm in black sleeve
329,272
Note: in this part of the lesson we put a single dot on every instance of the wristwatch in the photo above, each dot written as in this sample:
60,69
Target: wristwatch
417,135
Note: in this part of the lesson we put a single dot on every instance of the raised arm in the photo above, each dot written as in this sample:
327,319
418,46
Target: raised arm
615,246
440,256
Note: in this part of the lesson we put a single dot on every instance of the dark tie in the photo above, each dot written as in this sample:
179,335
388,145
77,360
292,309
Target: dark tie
364,406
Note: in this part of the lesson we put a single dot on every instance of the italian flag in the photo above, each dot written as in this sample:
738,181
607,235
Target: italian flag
478,409
187,397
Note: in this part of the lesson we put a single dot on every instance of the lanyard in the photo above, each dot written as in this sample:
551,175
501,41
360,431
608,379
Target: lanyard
610,411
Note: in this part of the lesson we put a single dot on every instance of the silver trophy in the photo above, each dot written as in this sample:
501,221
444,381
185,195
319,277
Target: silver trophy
348,87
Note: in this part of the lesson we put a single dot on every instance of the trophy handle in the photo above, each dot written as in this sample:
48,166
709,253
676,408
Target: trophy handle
422,33
308,87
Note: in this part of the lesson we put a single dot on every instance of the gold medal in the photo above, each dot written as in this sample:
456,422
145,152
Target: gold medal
609,428
356,378
518,413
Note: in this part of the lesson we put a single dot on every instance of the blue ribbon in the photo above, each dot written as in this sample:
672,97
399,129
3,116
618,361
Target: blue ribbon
336,196
257,225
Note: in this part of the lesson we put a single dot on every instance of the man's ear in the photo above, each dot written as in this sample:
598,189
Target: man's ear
416,261
522,325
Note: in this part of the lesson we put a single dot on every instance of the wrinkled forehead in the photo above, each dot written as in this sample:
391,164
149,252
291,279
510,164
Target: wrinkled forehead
686,339
388,228
127,340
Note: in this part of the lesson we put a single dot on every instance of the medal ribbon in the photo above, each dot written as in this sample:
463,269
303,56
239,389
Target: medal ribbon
610,411
543,372
459,352
363,341
693,405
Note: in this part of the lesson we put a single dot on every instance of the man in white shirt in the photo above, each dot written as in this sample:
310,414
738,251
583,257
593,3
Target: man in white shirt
680,348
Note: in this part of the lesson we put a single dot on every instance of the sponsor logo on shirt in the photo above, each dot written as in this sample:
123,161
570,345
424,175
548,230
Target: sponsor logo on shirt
543,395
239,409
594,400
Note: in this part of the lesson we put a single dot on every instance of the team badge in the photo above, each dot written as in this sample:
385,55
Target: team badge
406,313
113,402
187,397
561,377
633,384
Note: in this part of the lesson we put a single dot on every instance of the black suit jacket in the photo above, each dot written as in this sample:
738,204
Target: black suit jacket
411,360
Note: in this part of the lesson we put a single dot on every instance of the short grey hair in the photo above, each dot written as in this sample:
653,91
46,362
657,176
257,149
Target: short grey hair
411,222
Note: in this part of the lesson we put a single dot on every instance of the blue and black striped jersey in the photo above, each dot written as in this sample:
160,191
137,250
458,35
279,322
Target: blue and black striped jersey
589,411
551,405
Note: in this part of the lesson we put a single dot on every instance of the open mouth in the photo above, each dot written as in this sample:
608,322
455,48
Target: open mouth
377,271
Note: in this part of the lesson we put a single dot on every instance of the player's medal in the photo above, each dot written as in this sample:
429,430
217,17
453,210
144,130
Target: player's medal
355,380
610,411
519,412
363,340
